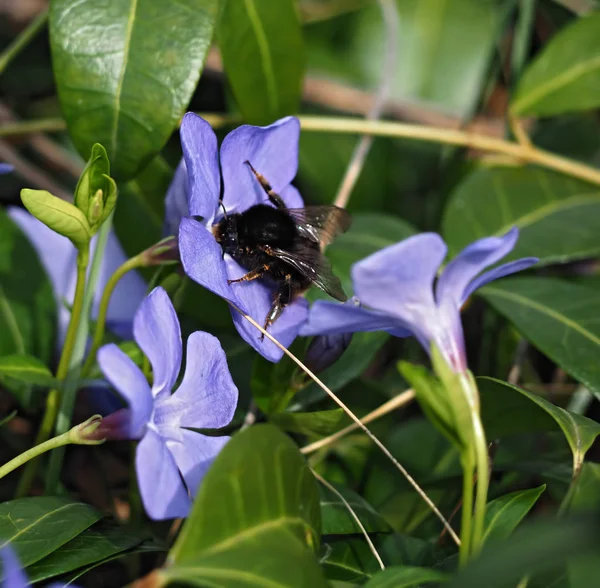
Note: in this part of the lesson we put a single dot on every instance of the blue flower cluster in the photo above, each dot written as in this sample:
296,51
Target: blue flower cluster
400,290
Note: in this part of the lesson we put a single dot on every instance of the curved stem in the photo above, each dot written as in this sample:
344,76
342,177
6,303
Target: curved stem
52,401
483,478
23,40
134,262
76,435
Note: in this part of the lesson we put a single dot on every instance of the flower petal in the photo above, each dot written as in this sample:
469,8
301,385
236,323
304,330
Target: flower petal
156,330
272,151
207,396
498,272
202,258
128,294
398,280
256,299
14,576
131,384
176,200
194,455
162,490
291,197
332,318
470,262
58,255
6,168
199,145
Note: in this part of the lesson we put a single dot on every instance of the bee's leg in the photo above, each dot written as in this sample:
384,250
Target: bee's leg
273,196
253,275
282,298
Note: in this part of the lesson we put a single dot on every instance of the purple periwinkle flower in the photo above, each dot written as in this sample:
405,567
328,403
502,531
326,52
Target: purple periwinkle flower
13,575
58,256
194,192
6,168
400,293
205,399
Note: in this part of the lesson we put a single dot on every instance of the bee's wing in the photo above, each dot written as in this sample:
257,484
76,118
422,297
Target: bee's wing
321,224
315,267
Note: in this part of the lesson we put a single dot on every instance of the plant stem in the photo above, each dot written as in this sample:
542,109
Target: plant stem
132,263
52,402
75,435
483,479
466,510
23,40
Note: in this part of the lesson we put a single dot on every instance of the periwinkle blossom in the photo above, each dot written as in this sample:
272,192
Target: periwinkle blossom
58,257
195,191
205,399
13,574
400,292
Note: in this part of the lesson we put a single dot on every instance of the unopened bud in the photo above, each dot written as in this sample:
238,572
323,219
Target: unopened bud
325,350
96,208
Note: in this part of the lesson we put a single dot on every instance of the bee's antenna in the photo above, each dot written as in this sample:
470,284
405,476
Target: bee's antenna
223,207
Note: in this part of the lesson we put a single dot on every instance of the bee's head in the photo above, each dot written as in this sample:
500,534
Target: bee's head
226,234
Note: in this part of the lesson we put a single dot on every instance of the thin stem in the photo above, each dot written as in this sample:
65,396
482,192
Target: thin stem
23,40
483,479
76,435
69,392
391,21
31,127
335,491
52,401
396,402
467,511
360,425
132,263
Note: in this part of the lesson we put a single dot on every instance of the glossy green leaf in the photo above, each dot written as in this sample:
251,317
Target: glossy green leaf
60,216
27,304
541,546
275,559
566,74
38,526
504,513
586,491
126,70
26,369
443,55
263,56
508,410
320,423
558,317
259,484
368,233
348,559
540,203
337,520
404,577
101,541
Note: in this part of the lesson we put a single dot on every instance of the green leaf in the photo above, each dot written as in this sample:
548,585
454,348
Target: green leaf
336,520
27,369
126,70
508,410
259,484
504,513
9,417
368,233
263,55
492,200
319,423
27,303
566,75
276,559
62,217
36,527
559,318
443,55
404,577
101,541
586,491
538,547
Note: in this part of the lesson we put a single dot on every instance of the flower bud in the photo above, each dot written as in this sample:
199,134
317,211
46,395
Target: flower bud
164,252
86,433
325,350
